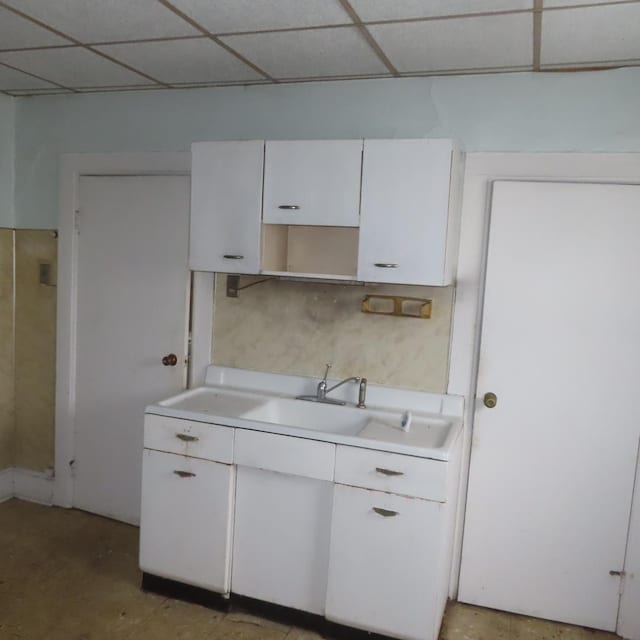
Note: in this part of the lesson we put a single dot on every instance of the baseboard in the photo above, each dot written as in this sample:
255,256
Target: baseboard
33,486
6,484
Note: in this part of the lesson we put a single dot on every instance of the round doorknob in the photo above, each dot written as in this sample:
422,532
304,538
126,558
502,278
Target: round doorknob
170,360
490,400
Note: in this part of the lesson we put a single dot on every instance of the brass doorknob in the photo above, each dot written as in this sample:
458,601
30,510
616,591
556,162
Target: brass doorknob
490,400
170,360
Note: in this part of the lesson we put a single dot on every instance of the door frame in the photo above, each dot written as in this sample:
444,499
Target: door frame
481,169
72,168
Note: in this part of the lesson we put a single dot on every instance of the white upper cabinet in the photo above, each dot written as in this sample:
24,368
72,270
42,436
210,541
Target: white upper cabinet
409,212
372,210
226,200
312,182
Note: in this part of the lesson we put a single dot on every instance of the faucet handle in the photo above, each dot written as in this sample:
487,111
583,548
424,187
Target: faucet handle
326,371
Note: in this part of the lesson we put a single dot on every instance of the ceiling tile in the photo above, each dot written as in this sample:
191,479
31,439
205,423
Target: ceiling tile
199,60
370,10
592,34
459,43
224,16
302,54
106,20
17,32
75,67
12,79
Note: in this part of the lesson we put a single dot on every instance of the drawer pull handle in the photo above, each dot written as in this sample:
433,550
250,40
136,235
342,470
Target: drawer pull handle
389,472
386,265
185,438
232,256
185,474
289,207
385,513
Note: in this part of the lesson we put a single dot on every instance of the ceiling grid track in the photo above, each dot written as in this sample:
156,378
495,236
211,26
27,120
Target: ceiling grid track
216,39
37,77
372,49
537,33
79,44
369,38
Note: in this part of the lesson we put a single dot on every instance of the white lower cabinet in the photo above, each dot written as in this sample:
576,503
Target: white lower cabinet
384,562
361,537
281,538
186,519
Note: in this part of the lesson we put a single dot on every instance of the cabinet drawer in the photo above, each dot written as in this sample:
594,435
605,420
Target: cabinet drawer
405,475
285,454
189,438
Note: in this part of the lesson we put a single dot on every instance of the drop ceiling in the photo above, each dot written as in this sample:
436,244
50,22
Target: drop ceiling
80,46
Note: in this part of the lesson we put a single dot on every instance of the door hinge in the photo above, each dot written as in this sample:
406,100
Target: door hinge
76,220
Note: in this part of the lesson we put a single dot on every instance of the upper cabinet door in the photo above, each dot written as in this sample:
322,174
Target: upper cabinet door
226,199
408,231
312,182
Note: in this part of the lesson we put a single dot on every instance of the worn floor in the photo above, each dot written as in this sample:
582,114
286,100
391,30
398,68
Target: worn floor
69,575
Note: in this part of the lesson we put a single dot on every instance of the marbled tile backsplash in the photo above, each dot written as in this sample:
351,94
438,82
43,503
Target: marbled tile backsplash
7,371
35,350
297,327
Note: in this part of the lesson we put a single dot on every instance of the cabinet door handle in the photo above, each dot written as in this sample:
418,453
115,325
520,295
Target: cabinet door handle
289,207
231,256
389,472
386,265
385,513
185,474
185,438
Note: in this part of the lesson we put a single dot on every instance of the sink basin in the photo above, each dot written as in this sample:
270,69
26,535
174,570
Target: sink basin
380,426
310,415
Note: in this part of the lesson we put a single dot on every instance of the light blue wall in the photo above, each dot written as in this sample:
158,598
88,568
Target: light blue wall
597,111
7,154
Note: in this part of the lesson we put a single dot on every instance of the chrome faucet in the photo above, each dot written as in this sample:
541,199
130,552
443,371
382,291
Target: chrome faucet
362,394
322,390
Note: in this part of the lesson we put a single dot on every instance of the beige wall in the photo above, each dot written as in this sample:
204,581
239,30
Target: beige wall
7,373
296,327
35,341
27,350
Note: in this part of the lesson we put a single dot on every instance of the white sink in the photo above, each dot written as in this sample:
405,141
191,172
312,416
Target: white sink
376,425
377,428
316,416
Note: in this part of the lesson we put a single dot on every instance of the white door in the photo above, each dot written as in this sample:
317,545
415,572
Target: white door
552,465
131,312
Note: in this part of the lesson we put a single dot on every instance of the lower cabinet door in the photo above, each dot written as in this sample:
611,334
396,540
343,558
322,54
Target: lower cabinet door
185,526
281,538
384,563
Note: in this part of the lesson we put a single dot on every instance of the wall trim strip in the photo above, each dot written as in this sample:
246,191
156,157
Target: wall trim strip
25,484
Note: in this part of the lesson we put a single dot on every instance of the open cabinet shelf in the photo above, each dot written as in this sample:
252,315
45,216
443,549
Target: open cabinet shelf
310,251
